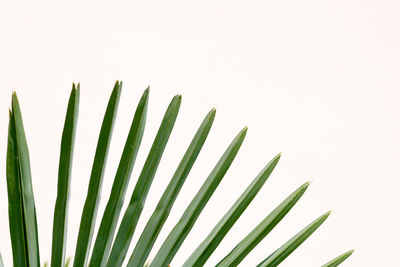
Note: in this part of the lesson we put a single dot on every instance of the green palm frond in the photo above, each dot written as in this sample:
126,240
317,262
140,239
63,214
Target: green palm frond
112,241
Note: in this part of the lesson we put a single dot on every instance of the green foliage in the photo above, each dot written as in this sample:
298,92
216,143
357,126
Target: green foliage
112,241
64,175
338,260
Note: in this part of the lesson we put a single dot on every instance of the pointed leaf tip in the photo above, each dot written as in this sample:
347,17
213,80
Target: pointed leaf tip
146,93
339,259
76,86
327,213
212,113
14,98
178,96
244,130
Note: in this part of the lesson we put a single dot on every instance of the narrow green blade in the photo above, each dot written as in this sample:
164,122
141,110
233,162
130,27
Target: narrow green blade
284,251
138,198
262,229
207,247
24,172
93,196
182,228
160,214
64,176
1,261
338,260
15,206
121,181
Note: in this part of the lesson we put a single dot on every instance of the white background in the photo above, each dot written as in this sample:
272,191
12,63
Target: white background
318,80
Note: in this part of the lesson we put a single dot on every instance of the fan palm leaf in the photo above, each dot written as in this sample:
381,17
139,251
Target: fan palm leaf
112,239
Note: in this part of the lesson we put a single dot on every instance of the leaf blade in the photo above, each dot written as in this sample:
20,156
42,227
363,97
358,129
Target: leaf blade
89,211
135,206
115,201
339,259
262,229
160,214
211,242
28,202
64,176
286,249
15,205
189,217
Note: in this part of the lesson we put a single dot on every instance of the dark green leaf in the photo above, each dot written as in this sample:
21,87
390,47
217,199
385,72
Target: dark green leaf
15,206
284,251
192,212
207,247
89,212
138,198
156,221
64,176
117,195
20,172
262,229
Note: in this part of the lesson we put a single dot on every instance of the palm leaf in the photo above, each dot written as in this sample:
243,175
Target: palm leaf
262,229
157,219
111,252
286,249
207,247
15,206
21,201
89,212
64,175
115,202
338,260
192,212
138,198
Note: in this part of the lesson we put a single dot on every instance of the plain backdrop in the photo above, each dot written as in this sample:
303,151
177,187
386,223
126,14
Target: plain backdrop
318,80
